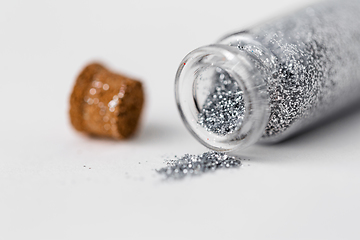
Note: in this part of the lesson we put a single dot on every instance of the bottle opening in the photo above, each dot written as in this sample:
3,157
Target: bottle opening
217,94
219,101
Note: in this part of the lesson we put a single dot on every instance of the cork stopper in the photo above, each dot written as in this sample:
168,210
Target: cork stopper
103,103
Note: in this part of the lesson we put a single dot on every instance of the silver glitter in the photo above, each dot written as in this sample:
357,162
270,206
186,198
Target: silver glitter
312,69
189,165
113,103
224,108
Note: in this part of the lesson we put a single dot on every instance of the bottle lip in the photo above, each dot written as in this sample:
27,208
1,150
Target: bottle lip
240,65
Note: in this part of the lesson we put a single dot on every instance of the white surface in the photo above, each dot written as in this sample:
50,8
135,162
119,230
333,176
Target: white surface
305,188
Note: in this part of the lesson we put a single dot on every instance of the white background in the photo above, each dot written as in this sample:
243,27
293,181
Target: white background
58,184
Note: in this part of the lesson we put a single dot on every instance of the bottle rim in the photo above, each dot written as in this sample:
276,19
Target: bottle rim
241,66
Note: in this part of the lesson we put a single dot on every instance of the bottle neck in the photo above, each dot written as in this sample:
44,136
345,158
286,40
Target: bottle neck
221,94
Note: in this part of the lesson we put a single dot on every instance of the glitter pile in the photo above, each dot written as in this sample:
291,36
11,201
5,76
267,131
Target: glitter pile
198,164
224,108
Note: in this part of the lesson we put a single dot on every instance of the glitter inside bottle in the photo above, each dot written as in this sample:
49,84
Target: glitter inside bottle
273,80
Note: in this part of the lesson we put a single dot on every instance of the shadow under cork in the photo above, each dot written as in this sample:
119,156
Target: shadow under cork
150,132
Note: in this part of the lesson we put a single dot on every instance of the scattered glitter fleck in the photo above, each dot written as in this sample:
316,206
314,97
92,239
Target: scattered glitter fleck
90,101
198,164
105,118
92,91
97,84
121,94
113,104
96,100
106,86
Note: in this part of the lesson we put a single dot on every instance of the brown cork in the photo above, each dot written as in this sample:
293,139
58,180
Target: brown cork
103,103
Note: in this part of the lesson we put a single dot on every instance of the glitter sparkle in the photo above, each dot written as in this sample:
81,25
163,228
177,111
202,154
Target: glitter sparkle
224,108
190,165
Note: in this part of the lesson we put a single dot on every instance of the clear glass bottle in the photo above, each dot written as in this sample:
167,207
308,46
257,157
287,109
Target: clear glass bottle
273,80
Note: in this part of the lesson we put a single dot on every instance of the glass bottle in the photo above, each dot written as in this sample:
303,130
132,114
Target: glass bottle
274,80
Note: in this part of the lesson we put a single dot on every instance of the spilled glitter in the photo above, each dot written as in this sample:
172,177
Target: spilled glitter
192,165
224,108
